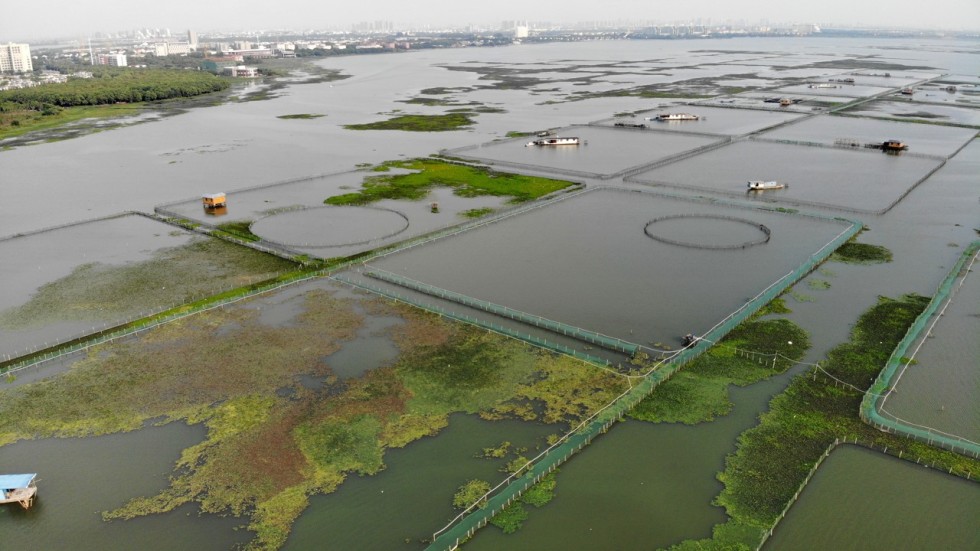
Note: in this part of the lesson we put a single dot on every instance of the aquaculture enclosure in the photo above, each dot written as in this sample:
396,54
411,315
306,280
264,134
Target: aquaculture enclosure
861,499
942,346
919,112
587,262
921,138
602,152
853,180
714,120
75,280
292,214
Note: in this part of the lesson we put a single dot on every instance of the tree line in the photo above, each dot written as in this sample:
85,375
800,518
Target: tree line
115,86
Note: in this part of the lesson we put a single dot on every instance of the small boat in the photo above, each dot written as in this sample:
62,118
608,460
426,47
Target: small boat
759,185
553,141
674,117
629,125
544,133
689,339
908,91
18,488
893,145
785,102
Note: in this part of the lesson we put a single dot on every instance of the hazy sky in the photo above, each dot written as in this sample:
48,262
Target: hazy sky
22,20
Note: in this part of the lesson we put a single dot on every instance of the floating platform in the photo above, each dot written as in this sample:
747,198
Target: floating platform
18,488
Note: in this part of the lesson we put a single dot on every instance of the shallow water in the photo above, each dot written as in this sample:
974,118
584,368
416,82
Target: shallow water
939,390
861,499
587,262
866,181
241,145
79,478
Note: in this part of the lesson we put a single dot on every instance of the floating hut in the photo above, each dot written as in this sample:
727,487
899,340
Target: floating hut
18,488
214,200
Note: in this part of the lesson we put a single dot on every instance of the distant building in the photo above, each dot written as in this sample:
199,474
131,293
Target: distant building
240,71
192,39
114,60
217,64
15,58
171,48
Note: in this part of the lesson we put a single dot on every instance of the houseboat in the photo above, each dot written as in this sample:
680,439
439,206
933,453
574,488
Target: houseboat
785,102
553,141
214,200
663,117
18,488
759,185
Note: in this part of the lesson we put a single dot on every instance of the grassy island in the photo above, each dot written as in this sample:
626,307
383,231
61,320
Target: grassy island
419,123
467,181
266,450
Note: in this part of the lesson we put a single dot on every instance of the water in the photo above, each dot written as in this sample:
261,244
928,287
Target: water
923,395
861,499
602,151
587,262
80,478
406,502
865,180
921,138
241,145
713,120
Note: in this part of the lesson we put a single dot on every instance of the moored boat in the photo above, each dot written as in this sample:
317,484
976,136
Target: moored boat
674,117
18,488
553,141
893,145
760,185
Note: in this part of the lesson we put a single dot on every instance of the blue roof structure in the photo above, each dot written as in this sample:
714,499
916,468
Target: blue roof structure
12,481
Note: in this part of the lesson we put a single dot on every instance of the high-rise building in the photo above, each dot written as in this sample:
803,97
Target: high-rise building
15,58
192,39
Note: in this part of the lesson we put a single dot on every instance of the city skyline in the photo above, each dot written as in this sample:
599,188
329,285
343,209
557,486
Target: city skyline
21,23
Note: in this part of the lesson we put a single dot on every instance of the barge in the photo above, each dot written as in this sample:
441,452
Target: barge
553,141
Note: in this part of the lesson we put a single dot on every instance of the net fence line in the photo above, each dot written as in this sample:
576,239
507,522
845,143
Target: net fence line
886,381
309,245
489,326
766,232
69,225
845,147
297,180
613,343
475,517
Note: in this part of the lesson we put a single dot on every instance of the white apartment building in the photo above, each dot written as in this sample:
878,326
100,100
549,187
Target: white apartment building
15,58
115,60
171,48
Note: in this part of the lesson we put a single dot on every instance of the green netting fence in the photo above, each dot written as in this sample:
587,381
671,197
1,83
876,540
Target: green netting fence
885,382
605,341
479,322
479,514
